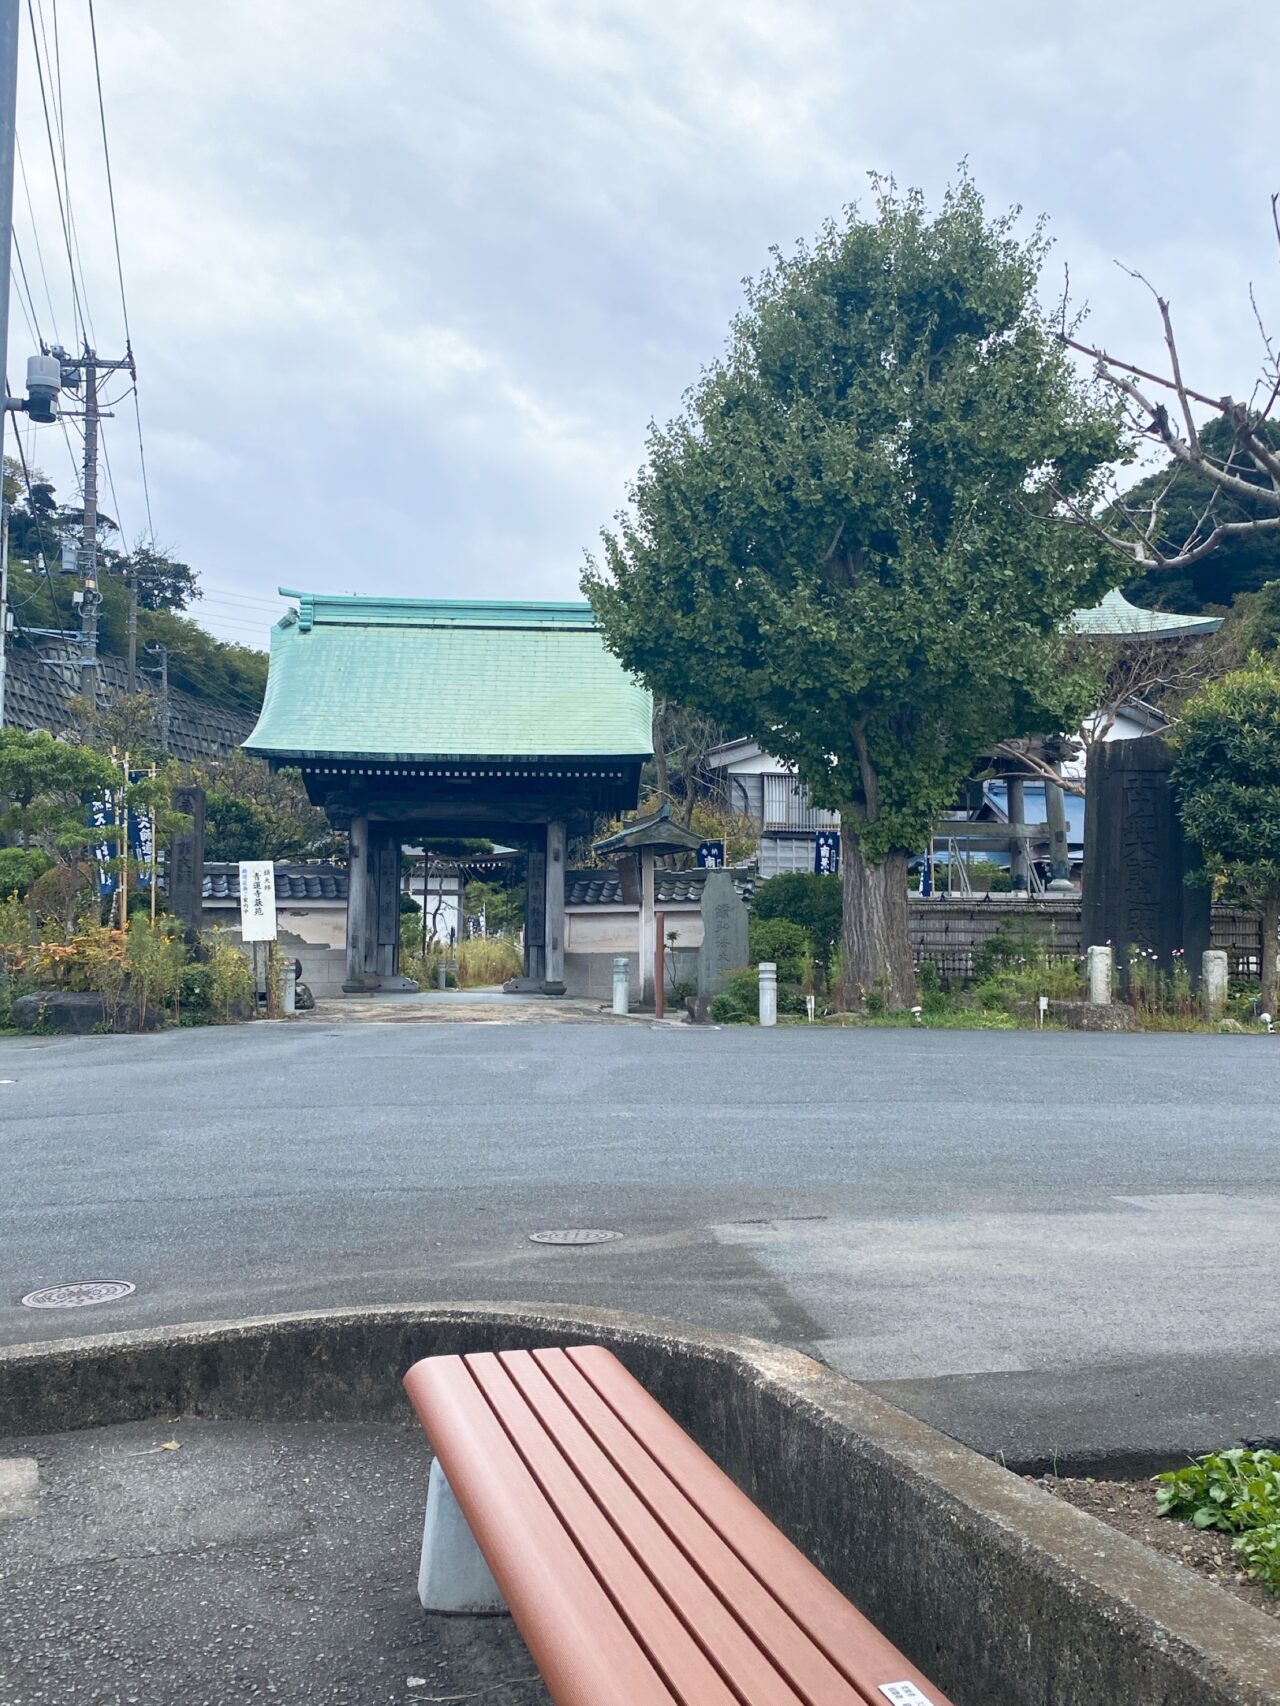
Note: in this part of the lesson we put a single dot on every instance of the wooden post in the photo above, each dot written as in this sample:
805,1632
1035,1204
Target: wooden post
646,926
659,964
124,863
155,858
553,935
361,908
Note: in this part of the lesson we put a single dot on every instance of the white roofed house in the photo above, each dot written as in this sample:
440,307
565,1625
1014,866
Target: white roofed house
766,789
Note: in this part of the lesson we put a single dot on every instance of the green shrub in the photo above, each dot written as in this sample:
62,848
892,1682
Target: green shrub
738,1003
812,902
19,868
783,943
1236,1492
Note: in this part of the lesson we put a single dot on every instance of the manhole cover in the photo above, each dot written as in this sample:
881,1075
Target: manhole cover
576,1235
75,1296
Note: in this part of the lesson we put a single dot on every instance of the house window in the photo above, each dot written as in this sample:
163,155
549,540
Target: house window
787,806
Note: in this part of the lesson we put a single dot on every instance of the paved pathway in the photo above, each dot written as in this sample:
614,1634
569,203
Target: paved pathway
1044,1243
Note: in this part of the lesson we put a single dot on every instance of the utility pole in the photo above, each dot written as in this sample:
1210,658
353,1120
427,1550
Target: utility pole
89,365
163,654
88,564
133,629
8,110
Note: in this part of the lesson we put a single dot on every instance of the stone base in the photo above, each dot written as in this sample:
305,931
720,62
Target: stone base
374,984
69,1013
1087,1015
76,1013
531,986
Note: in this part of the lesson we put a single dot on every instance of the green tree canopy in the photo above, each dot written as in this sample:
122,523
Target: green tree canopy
230,676
845,545
45,786
811,901
1240,563
1227,772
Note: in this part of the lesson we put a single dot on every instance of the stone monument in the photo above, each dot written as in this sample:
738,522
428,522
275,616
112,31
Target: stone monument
1137,860
724,937
186,860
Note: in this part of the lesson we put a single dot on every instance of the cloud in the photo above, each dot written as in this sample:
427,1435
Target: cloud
407,282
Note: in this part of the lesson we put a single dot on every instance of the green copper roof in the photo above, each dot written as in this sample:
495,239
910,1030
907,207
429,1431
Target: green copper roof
1116,618
403,678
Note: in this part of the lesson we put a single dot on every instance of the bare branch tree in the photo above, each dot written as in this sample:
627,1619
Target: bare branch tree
1248,472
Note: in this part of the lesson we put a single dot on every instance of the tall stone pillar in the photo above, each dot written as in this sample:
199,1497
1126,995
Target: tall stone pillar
186,859
1137,860
1055,810
535,907
553,935
1015,788
384,848
362,907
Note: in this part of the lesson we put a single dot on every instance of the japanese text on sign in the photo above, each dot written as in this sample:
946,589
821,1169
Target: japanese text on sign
257,900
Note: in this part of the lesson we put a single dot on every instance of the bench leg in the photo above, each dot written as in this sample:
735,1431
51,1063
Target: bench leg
452,1575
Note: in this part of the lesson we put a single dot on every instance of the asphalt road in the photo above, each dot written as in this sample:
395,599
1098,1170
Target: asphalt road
1046,1244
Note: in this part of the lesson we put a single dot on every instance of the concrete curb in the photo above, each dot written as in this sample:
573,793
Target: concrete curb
1004,1594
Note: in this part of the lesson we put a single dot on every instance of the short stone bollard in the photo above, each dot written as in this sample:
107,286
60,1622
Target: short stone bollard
289,986
1213,986
768,993
1098,965
621,985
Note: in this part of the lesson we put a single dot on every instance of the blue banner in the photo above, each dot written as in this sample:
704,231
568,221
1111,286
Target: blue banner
826,852
711,856
102,815
926,875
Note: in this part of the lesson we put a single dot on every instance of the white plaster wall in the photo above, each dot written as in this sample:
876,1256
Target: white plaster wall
616,929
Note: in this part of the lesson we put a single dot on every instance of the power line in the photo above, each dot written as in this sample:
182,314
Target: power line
115,233
59,112
28,306
35,232
78,310
106,155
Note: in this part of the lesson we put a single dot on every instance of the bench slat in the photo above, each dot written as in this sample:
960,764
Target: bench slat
810,1673
712,1623
852,1643
579,1643
672,1649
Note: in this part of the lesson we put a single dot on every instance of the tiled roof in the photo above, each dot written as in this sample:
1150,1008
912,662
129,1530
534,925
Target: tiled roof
656,830
604,888
1117,618
404,679
293,883
39,682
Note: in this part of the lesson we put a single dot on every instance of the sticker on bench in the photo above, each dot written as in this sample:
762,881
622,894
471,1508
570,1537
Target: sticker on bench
904,1694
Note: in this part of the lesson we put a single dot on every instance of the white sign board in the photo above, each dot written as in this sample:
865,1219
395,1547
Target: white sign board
904,1694
257,900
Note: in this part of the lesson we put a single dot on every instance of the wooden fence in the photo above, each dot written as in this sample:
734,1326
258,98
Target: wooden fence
949,931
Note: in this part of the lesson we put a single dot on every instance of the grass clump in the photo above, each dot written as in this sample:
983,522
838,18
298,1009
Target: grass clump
1236,1492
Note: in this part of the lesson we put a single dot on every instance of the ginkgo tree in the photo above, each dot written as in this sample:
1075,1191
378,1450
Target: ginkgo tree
848,544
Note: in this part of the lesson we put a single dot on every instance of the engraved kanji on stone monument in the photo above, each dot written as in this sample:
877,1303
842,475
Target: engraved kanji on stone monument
724,934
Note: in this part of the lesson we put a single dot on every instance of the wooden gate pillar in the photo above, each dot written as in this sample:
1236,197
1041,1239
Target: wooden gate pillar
553,934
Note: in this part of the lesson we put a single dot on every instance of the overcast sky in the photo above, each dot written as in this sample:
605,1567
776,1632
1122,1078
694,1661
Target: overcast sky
407,279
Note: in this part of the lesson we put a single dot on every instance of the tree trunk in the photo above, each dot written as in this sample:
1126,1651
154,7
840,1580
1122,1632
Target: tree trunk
660,750
876,948
1270,927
